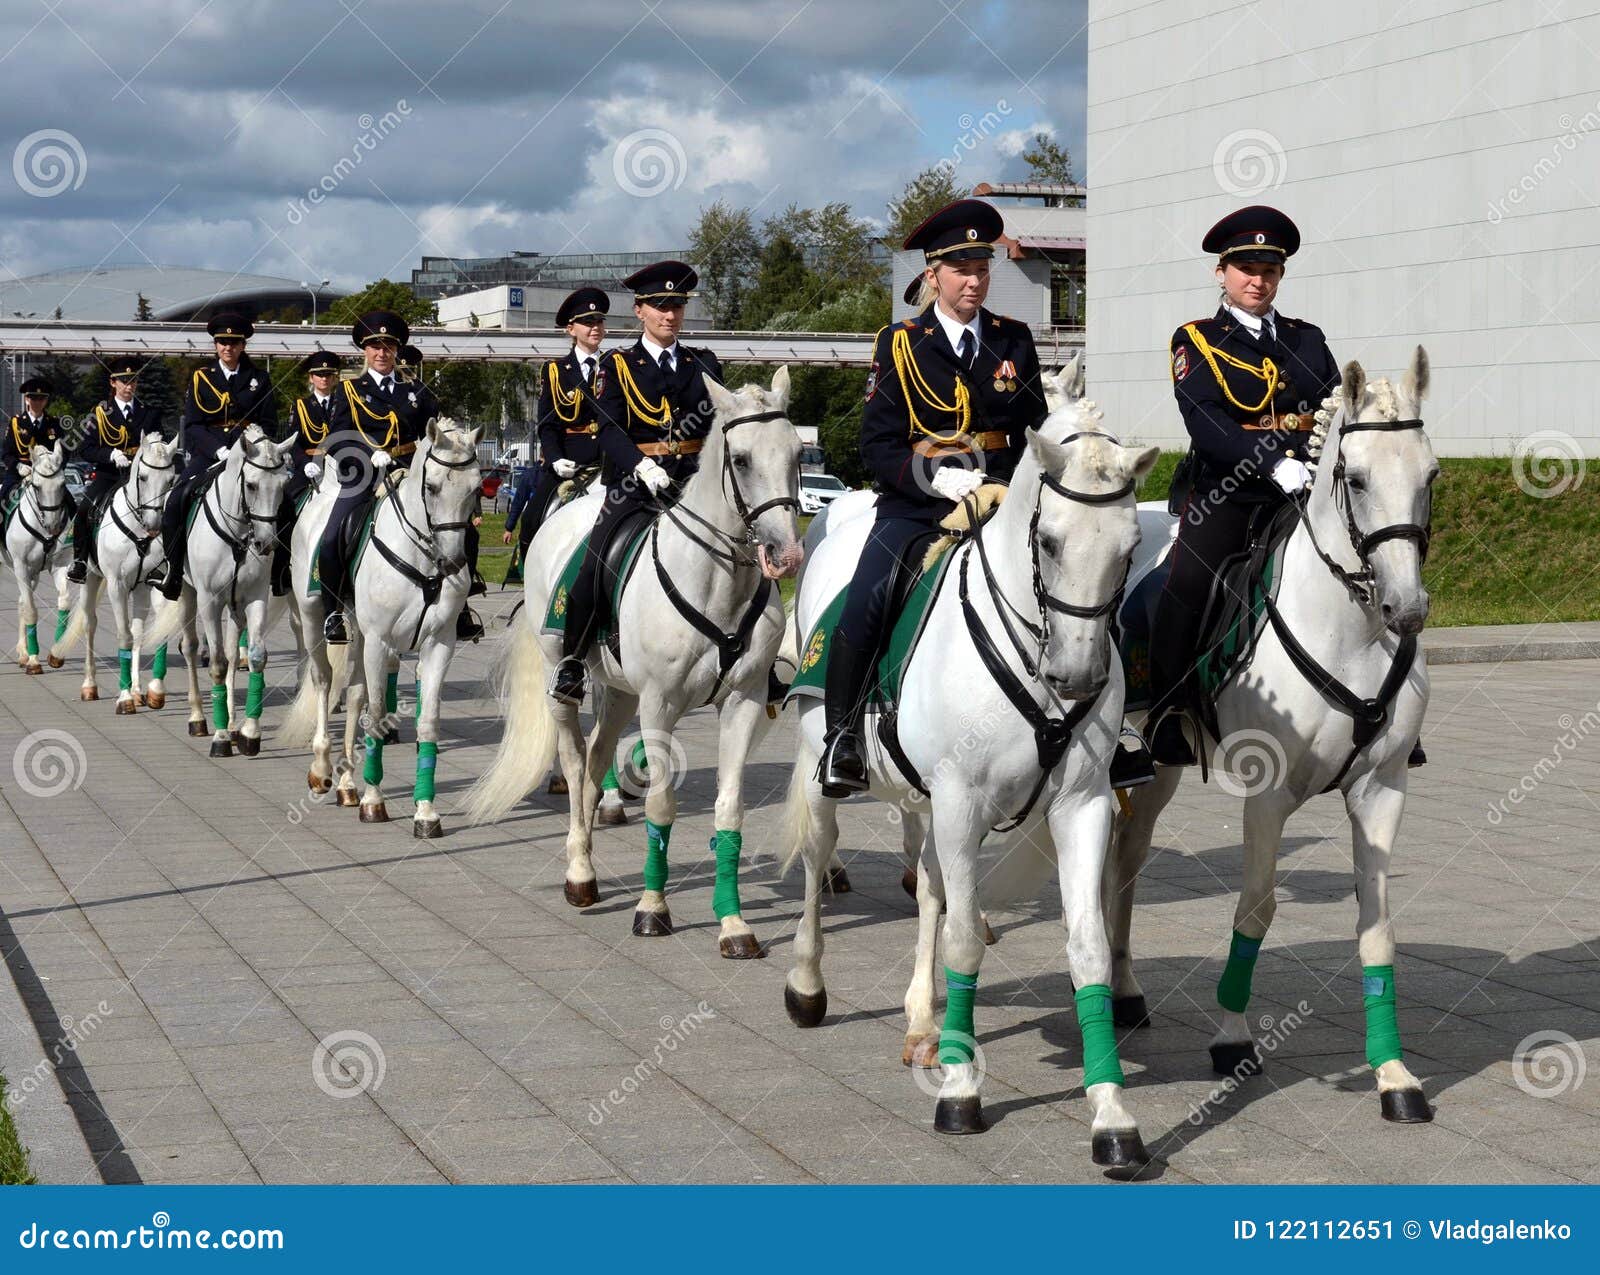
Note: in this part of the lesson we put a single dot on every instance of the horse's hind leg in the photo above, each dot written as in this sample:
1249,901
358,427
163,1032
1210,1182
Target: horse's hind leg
255,633
812,824
743,720
432,663
922,1025
155,691
652,918
63,614
191,659
1375,805
221,668
1130,847
369,656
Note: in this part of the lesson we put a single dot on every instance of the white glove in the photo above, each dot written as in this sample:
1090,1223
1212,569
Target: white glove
652,476
1291,475
564,468
120,459
954,483
222,453
312,470
381,459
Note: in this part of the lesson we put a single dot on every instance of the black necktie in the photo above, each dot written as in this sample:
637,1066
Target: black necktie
387,384
127,411
666,362
965,349
588,370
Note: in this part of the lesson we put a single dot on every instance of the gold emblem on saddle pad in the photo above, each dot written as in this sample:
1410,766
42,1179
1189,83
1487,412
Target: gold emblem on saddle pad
819,639
559,607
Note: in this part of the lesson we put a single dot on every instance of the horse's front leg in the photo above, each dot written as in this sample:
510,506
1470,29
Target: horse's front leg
1080,826
27,623
155,692
191,659
213,619
370,663
582,765
255,631
743,722
1130,847
922,1027
958,826
1375,803
432,663
63,615
89,601
657,717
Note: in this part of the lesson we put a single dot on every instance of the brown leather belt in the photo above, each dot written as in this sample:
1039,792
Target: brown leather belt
951,444
1284,420
687,447
401,449
587,429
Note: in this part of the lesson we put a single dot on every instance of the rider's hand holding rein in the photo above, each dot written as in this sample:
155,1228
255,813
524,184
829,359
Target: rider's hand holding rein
652,476
955,483
1291,475
120,459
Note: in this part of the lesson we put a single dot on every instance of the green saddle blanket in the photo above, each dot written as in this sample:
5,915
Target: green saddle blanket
812,679
555,614
357,550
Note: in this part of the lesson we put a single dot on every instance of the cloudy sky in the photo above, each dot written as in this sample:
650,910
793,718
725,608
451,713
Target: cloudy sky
193,132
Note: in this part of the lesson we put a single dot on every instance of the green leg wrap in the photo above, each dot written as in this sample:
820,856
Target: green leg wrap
416,710
219,707
255,693
391,693
158,666
655,855
124,668
30,638
957,1039
372,772
1100,1062
62,616
1233,988
1383,1033
244,638
641,757
609,783
427,761
726,845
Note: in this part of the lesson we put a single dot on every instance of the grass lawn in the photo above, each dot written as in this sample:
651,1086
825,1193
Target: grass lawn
13,1155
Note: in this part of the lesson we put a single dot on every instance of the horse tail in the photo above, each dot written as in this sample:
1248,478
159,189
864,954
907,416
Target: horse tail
799,829
528,739
77,626
164,627
299,724
789,648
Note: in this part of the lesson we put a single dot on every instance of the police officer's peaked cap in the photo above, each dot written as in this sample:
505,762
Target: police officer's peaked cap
585,303
231,326
321,361
35,385
663,281
380,325
963,231
123,367
1257,233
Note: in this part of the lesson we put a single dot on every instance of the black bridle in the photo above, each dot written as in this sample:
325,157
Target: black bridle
48,540
140,539
738,546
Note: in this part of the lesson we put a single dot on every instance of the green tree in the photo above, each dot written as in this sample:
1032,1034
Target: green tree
783,282
926,193
1048,160
725,249
142,312
383,294
158,388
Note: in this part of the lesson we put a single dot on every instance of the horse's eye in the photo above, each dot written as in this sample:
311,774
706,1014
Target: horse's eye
741,461
1049,545
1355,482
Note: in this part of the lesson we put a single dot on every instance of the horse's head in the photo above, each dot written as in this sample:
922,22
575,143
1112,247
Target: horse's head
150,478
47,476
261,468
1065,387
1083,530
447,478
1378,472
756,450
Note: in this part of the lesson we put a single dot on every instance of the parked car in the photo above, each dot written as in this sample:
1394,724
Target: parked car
492,480
818,491
77,474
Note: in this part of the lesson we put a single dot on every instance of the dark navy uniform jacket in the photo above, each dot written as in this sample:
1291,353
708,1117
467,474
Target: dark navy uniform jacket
566,420
309,422
22,435
216,408
109,431
1004,393
638,404
364,419
1239,431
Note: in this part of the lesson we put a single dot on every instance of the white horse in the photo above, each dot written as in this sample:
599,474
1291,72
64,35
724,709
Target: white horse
1009,709
226,588
411,585
127,547
1333,697
733,532
34,544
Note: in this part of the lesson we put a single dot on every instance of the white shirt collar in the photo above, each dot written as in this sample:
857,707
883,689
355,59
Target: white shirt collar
656,351
322,399
230,373
953,328
1253,322
121,405
378,377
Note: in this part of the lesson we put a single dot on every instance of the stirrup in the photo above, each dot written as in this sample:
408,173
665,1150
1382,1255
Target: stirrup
568,680
837,781
1168,744
468,627
333,630
78,572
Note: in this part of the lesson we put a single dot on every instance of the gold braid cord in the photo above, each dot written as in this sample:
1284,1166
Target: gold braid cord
222,398
915,386
656,415
111,435
567,405
358,409
313,432
1268,371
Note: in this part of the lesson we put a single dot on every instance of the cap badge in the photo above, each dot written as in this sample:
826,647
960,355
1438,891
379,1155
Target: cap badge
971,233
1260,238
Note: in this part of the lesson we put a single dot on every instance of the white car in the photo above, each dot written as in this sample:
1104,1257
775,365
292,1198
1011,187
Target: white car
818,491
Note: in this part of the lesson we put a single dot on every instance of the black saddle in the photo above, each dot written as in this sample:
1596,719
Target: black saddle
614,559
354,524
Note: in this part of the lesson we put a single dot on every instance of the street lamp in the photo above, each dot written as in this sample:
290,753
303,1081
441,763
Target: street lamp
313,293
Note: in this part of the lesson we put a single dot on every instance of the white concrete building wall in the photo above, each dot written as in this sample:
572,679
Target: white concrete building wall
1441,157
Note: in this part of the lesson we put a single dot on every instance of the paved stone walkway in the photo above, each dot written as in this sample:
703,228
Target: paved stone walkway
200,926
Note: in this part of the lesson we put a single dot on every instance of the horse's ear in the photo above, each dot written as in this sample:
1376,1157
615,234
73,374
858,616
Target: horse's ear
722,399
1142,462
433,432
780,388
1076,377
1353,387
1415,385
1046,451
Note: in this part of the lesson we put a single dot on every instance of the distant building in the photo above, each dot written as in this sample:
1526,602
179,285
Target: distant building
176,294
514,306
440,277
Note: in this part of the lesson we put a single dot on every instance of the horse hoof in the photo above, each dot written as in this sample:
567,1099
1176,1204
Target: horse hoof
1129,1011
611,816
427,829
32,670
374,814
1405,1106
908,882
959,1115
54,661
138,699
838,881
558,786
740,947
349,797
805,1010
222,748
156,699
921,1051
249,745
1235,1058
652,925
197,730
581,894
1118,1149
88,694
392,735
126,708
317,783
990,938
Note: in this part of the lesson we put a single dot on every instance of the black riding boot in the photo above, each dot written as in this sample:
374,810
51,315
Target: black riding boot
843,769
568,683
78,572
1172,642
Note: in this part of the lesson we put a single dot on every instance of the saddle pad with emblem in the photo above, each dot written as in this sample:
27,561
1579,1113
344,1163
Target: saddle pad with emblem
555,616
